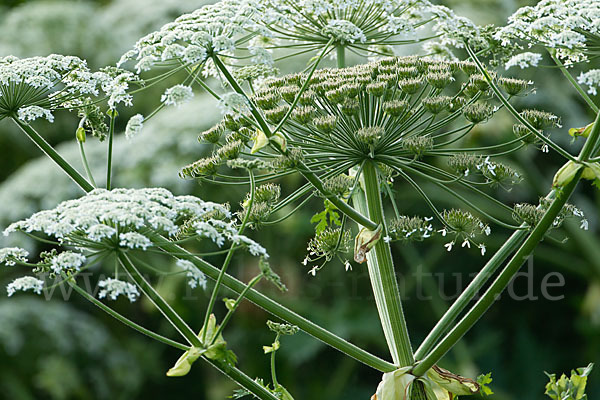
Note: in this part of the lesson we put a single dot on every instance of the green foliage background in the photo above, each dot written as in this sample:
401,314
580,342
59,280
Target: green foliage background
69,350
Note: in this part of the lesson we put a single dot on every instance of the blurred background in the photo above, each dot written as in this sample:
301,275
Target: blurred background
62,350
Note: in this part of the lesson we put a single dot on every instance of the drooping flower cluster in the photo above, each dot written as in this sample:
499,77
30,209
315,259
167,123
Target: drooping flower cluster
32,88
124,220
570,27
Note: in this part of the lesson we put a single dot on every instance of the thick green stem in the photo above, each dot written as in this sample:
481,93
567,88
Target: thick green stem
277,309
592,141
505,276
53,154
470,292
178,323
501,281
382,274
341,56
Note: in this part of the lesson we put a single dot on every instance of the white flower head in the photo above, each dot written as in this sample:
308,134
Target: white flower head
195,276
113,288
233,103
177,95
35,87
9,256
590,78
67,261
344,31
134,240
25,283
134,126
524,60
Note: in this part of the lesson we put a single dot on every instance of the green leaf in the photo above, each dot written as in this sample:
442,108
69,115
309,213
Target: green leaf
572,388
484,381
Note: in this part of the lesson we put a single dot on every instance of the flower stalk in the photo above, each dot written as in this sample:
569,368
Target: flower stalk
382,274
513,266
54,156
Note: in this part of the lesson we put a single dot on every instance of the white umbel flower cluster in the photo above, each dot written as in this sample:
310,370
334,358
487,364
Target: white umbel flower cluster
35,87
113,288
25,283
591,79
9,256
570,27
344,31
95,220
367,24
134,126
67,261
177,95
193,37
524,60
195,276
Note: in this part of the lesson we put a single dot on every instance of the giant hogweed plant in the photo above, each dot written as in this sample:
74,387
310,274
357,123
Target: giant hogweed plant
356,134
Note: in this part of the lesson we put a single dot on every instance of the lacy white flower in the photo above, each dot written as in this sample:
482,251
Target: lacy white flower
591,79
571,27
134,126
134,240
195,276
208,30
367,25
524,60
91,222
9,256
113,288
233,103
35,87
177,95
67,261
344,31
25,283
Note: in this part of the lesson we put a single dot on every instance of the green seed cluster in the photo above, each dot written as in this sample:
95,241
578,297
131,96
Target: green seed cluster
329,243
265,198
464,224
397,108
414,229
